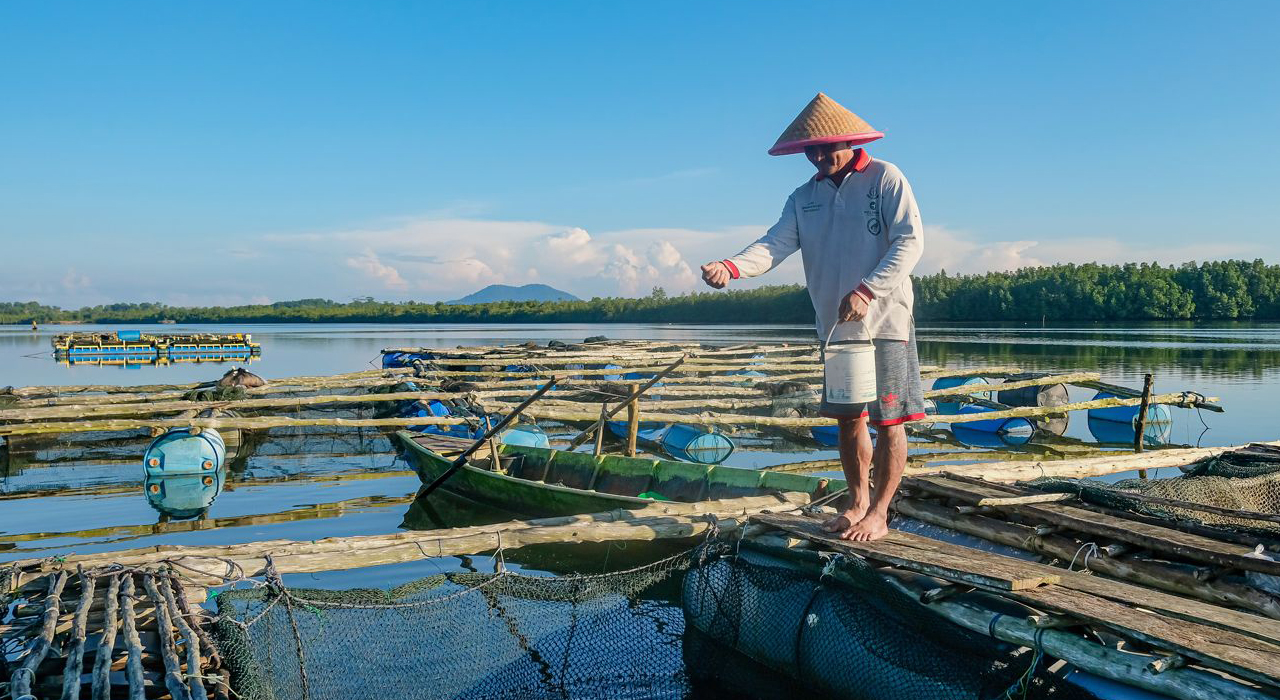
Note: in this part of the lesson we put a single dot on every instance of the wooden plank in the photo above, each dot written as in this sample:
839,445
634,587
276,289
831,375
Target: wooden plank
1175,606
1247,657
1215,647
1161,539
941,559
1004,501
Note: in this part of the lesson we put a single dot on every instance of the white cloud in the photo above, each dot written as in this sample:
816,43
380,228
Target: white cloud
369,264
959,253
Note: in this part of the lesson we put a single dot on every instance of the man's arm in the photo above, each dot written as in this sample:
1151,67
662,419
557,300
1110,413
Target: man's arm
905,235
781,240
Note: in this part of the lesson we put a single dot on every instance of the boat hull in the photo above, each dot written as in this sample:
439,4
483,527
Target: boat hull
543,482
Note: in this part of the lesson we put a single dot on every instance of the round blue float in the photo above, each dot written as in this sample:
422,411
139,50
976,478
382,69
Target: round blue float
178,451
183,496
949,408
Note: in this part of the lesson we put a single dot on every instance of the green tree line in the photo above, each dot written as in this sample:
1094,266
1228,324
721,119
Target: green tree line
1232,289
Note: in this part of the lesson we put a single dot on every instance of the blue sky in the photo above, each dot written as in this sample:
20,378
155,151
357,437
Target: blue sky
248,151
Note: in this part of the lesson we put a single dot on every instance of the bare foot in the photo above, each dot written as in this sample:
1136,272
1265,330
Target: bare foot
845,520
872,527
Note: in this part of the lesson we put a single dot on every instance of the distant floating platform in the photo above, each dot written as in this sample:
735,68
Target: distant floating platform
129,347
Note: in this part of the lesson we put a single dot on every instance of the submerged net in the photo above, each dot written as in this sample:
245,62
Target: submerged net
617,635
460,635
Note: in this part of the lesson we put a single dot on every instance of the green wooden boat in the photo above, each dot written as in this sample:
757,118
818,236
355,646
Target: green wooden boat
534,481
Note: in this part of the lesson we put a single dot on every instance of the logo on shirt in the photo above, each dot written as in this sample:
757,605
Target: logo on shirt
810,207
873,213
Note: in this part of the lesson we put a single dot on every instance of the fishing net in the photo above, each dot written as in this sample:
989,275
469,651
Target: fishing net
1256,494
460,635
855,637
616,635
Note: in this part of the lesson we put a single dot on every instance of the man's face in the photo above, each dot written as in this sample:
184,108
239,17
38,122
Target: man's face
829,158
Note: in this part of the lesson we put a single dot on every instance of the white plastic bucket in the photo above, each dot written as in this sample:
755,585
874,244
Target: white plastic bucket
850,373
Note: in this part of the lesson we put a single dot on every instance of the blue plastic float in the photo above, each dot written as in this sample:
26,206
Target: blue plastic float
949,408
183,496
178,451
1120,424
686,443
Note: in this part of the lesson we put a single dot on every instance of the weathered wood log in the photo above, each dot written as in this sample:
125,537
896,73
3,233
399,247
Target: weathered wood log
1121,666
208,565
101,689
22,678
1149,573
1196,548
75,656
168,651
195,687
133,645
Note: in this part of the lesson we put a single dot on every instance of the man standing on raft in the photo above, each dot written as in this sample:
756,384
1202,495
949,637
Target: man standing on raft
859,234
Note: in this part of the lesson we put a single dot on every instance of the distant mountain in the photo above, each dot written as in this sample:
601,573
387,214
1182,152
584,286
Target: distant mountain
503,292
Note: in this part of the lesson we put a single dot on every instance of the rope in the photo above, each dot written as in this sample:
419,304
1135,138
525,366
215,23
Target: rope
1090,550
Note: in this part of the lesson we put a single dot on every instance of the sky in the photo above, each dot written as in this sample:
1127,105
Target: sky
245,152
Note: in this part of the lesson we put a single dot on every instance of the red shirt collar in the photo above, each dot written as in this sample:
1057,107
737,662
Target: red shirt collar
861,159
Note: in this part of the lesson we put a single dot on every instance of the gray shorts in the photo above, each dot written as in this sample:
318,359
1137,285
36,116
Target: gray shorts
899,397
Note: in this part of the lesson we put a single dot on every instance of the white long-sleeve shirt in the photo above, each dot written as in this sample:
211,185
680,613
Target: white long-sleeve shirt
865,234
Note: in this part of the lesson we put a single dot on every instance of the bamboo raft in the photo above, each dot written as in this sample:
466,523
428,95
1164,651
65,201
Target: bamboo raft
128,623
1181,621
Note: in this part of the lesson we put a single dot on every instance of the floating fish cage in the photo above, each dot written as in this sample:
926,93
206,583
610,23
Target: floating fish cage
122,346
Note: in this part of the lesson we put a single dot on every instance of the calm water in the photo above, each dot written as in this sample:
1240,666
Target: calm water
310,486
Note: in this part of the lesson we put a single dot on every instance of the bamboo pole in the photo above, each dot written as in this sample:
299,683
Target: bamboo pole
1139,434
227,422
743,419
84,411
209,565
22,679
1050,380
168,651
75,656
633,420
604,417
101,689
132,643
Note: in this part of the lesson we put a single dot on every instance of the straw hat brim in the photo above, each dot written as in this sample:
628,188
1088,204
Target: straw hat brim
790,147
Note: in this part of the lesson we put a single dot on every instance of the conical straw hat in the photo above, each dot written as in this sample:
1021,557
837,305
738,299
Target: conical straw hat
823,121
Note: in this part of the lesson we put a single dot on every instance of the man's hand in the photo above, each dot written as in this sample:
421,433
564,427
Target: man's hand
716,274
853,307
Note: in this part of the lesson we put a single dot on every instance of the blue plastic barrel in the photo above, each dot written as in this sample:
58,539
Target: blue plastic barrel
1003,426
607,377
948,408
1119,425
183,496
829,435
694,444
524,436
404,359
179,452
129,335
1021,435
1128,415
686,443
